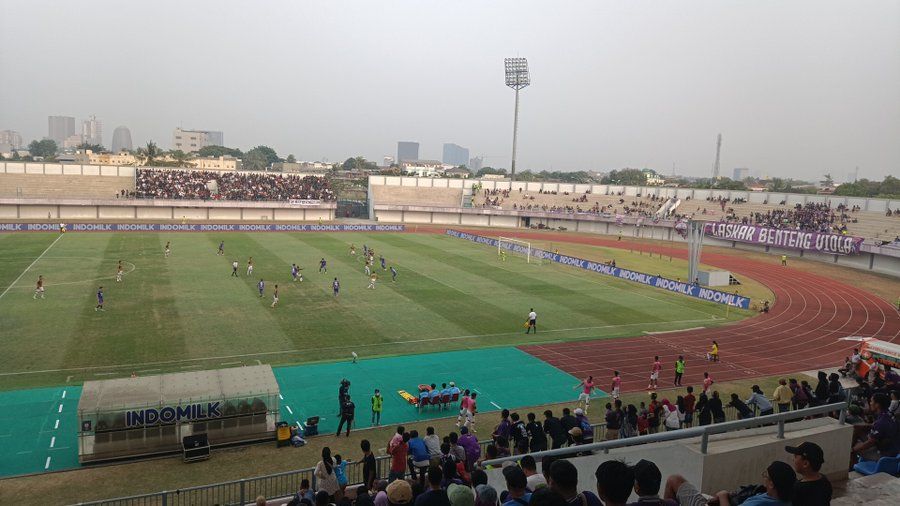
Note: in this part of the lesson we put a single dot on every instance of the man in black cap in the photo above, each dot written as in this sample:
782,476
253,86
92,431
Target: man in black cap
813,487
779,481
647,480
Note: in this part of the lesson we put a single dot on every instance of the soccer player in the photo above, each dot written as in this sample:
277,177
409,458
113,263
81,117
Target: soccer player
168,248
470,413
294,271
463,406
532,322
707,382
39,288
221,249
234,266
275,297
654,374
119,272
323,265
336,286
393,274
99,299
365,251
261,286
368,269
372,281
250,266
616,384
383,266
352,249
587,387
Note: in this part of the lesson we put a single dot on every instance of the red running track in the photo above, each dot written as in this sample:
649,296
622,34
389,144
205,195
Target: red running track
800,333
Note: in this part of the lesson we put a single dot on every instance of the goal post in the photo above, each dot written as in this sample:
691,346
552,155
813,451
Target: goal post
509,245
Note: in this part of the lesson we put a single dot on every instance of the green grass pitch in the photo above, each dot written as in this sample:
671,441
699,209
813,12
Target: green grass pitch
186,311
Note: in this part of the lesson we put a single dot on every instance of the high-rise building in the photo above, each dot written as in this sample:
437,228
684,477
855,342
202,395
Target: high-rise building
59,128
121,139
455,155
10,139
407,150
190,141
741,173
92,131
476,163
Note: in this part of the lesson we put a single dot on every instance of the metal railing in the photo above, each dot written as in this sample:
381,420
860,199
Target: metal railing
778,420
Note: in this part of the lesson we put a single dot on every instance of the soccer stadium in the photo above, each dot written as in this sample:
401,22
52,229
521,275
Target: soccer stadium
207,326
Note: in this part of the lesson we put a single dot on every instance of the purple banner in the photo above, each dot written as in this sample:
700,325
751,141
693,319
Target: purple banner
786,238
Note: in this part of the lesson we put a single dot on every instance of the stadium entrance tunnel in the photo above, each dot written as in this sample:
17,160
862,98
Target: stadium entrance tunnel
352,209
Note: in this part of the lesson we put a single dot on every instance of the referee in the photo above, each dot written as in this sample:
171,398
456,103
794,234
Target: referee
532,322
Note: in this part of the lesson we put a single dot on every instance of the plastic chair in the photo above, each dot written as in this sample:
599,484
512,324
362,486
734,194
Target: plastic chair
445,400
424,401
455,397
889,465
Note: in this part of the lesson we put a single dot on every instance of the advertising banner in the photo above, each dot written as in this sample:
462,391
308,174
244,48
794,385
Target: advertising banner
671,285
785,238
193,227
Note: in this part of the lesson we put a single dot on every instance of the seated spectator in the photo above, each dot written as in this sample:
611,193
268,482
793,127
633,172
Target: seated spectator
778,480
680,490
535,479
563,480
883,439
614,482
435,495
478,477
381,498
517,486
813,487
460,495
362,497
486,495
197,184
647,481
546,497
399,492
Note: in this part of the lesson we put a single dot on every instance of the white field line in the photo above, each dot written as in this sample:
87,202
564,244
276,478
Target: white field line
60,409
291,411
26,270
496,405
64,394
47,464
342,347
56,425
52,441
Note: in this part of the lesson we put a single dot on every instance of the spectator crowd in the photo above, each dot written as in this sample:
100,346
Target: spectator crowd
212,185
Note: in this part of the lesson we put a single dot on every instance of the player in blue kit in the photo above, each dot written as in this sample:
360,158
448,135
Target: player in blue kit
323,265
99,299
383,266
221,251
261,286
336,286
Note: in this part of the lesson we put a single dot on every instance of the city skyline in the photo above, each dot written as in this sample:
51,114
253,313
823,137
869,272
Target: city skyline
796,89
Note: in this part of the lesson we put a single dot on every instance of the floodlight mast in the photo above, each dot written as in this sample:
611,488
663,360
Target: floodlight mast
517,77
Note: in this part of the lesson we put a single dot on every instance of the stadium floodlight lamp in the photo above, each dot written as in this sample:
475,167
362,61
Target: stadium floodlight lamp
517,77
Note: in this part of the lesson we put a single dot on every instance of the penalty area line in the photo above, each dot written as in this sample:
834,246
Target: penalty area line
30,266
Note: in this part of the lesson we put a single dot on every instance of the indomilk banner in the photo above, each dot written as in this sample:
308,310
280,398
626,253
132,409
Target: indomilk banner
192,227
691,290
784,238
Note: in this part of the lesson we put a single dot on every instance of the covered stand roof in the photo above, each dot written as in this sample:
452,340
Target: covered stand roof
177,388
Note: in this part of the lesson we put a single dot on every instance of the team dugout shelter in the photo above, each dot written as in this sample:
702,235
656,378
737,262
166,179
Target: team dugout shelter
149,415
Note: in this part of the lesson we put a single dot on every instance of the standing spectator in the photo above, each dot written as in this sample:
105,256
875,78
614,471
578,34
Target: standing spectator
435,495
347,411
419,459
538,439
399,492
459,453
326,480
370,473
704,416
568,421
647,482
381,498
758,399
535,479
689,402
673,414
469,443
630,422
783,396
555,429
654,411
715,408
563,479
743,411
377,405
813,487
398,453
799,400
502,429
432,442
821,390
614,482
613,422
340,471
519,434
836,391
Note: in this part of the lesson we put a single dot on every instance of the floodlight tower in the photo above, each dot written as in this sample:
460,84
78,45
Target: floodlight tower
516,78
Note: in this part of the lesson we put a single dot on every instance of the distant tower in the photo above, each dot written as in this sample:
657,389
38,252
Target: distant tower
718,152
121,139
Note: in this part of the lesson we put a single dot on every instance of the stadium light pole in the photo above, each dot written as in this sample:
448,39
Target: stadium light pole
517,77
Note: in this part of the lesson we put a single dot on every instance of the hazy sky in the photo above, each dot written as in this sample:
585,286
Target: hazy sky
796,88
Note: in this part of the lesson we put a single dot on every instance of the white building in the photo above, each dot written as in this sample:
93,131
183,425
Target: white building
422,168
10,140
220,163
92,131
190,141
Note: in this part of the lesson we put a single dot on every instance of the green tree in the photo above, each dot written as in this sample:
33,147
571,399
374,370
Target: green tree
217,151
95,148
255,160
492,171
45,148
628,177
181,158
828,181
149,153
268,153
291,159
